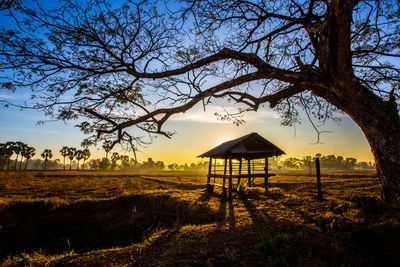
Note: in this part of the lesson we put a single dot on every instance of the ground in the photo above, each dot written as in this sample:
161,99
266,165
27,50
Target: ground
86,219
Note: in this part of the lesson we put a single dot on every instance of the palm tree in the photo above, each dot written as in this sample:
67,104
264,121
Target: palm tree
86,156
17,150
79,154
64,152
71,155
9,151
29,152
46,155
3,155
24,147
107,146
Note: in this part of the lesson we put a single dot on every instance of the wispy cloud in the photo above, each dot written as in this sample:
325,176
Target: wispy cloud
198,115
4,96
29,130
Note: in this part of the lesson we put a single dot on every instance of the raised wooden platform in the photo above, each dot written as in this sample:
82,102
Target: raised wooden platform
255,175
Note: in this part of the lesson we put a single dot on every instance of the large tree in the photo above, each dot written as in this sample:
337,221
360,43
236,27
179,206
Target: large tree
138,64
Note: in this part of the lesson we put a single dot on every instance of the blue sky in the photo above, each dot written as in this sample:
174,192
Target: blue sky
197,131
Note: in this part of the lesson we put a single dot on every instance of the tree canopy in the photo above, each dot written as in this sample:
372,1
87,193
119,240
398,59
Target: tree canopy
138,64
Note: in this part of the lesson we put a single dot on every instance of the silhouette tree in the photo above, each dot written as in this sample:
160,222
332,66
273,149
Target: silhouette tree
24,147
107,146
71,155
3,156
86,156
114,158
28,153
8,152
318,56
125,162
79,154
46,154
17,148
308,161
64,151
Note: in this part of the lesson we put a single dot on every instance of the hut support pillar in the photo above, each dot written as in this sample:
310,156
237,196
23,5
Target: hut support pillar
230,178
240,171
223,179
266,175
209,186
249,172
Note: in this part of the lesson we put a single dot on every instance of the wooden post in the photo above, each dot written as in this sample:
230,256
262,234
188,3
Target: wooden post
266,175
223,179
240,171
317,168
215,165
249,172
209,187
230,178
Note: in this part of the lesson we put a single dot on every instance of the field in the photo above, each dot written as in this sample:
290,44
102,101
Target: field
86,218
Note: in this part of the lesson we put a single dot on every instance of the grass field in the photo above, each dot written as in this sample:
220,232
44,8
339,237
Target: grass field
85,218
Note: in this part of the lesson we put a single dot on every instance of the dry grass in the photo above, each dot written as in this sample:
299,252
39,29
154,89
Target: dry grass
84,218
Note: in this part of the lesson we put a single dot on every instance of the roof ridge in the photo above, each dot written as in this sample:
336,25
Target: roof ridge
226,146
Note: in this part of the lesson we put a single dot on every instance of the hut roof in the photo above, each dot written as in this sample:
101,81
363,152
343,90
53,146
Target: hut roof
250,146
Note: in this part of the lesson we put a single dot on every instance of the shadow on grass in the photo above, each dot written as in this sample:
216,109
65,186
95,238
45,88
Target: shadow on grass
177,185
89,225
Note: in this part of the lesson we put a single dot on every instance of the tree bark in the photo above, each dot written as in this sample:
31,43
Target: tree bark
380,122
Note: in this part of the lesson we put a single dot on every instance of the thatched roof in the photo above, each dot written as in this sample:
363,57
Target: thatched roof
251,146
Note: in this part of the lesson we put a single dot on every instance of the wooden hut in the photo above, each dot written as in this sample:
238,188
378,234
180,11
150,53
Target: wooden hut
253,149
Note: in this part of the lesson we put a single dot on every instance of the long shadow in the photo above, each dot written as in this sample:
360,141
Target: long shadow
231,217
87,225
204,197
222,211
256,216
185,186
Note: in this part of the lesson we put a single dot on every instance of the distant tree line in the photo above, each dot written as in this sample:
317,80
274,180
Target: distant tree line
125,163
25,152
79,159
330,162
20,149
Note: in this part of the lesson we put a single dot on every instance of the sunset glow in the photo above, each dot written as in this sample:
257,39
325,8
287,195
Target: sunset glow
223,140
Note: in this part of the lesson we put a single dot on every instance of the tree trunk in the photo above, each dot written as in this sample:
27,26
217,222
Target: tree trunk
8,163
378,119
4,163
15,163
64,162
380,122
26,163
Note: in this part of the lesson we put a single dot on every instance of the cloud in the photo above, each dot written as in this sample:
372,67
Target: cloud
4,96
198,115
29,130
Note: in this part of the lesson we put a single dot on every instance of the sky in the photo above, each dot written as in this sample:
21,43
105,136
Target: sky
196,132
